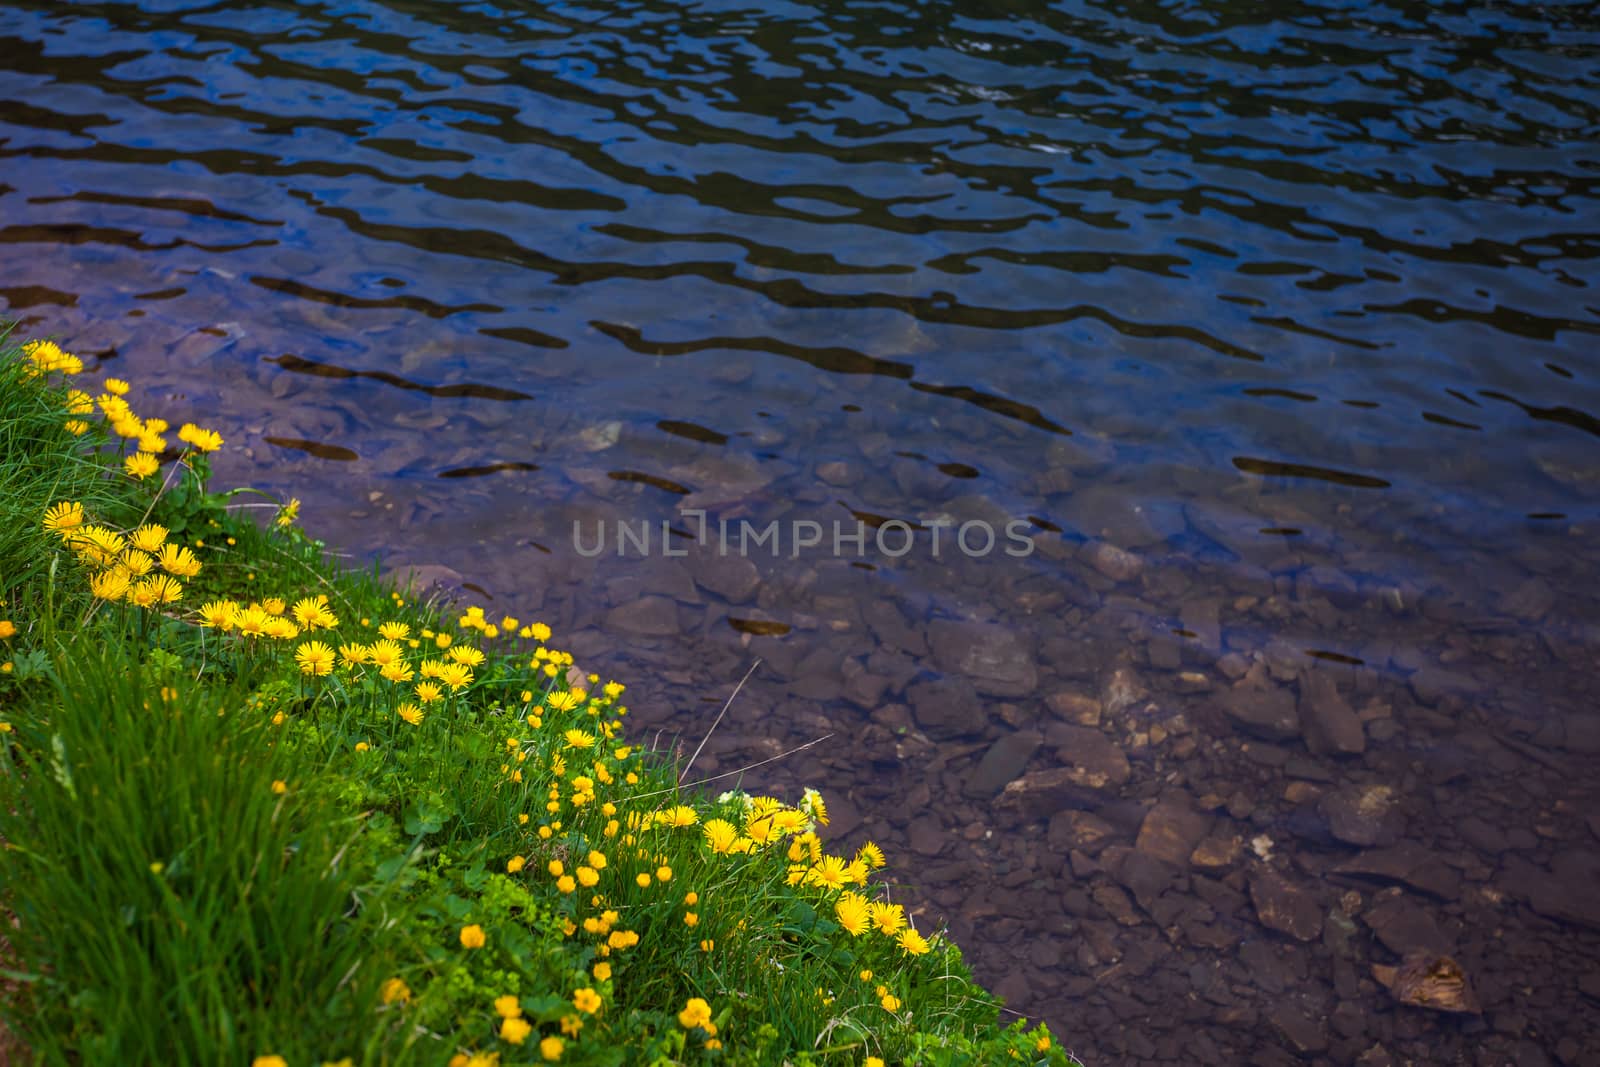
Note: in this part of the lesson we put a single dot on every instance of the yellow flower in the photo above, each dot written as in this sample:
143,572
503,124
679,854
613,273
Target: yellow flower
76,427
383,653
551,1048
427,692
79,402
852,911
720,835
352,655
586,1000
395,631
410,713
395,989
219,615
251,621
472,936
141,465
203,440
602,971
314,657
280,787
273,605
269,1061
63,518
159,590
588,876
564,701
312,612
872,855
515,1031
179,560
663,873
456,675
467,655
696,1012
872,1061
691,918
829,873
398,672
116,386
707,945
539,632
889,918
913,943
46,356
287,513
890,1002
149,537
8,629
508,1007
578,739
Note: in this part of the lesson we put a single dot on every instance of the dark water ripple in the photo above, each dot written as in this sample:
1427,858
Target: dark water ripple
1298,302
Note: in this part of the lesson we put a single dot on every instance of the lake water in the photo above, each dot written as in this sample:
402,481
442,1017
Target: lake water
1265,347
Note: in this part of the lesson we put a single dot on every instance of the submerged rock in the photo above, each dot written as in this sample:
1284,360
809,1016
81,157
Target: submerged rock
993,657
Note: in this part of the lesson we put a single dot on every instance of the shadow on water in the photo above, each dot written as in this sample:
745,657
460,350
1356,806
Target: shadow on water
1262,346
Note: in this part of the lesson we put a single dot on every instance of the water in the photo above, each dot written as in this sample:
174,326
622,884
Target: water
1298,311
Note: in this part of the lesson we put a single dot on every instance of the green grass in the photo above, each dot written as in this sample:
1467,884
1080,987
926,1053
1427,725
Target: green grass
214,856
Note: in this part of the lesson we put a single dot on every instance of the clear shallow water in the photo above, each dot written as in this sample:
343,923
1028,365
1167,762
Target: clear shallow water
1300,311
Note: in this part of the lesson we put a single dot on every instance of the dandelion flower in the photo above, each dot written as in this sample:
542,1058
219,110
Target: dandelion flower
872,855
76,427
116,386
472,936
428,692
352,655
398,672
383,653
141,465
314,657
578,739
829,873
201,439
280,787
410,713
456,675
394,631
313,613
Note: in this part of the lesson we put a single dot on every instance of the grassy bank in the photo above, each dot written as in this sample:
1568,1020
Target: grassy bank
261,810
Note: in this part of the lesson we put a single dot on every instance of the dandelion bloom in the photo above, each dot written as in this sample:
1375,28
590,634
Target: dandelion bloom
398,672
578,739
395,989
281,628
551,1048
46,356
352,655
472,936
564,701
280,787
515,1031
889,918
586,1000
872,855
852,911
314,657
829,873
410,713
913,943
251,621
141,465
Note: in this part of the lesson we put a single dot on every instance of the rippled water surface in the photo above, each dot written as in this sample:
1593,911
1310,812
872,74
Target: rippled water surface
1275,334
